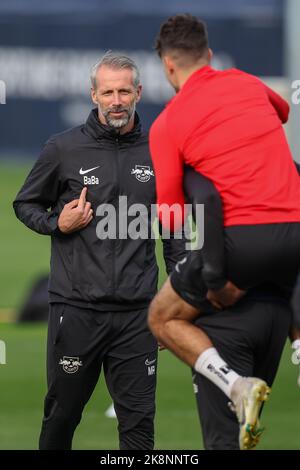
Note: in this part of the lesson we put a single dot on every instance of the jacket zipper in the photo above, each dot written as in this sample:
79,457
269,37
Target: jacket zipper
113,283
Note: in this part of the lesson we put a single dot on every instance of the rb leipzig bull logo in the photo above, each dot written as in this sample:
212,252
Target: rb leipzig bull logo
70,364
142,173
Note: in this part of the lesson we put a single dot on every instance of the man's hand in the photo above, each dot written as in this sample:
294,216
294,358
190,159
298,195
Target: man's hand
76,214
225,297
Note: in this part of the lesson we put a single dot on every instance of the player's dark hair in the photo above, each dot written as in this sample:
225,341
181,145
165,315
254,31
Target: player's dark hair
185,34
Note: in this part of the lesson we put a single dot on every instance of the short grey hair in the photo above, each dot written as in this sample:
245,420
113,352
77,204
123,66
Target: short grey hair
116,61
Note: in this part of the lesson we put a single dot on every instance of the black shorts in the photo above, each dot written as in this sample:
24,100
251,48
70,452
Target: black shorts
255,255
296,303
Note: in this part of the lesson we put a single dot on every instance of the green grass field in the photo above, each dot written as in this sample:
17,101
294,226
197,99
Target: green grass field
24,255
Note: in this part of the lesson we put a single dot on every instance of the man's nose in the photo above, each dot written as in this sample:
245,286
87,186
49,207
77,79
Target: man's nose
116,99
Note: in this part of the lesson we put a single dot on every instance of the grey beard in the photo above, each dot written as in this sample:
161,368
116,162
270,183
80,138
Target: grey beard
119,123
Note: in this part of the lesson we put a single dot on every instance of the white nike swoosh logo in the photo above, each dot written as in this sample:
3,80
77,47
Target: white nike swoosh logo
148,363
83,172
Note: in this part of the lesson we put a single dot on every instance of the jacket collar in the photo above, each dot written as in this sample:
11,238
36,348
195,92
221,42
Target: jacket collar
99,131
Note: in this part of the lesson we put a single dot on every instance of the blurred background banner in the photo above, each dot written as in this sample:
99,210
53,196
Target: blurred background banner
48,48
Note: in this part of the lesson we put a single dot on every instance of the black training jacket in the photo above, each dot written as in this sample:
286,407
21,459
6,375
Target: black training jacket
110,274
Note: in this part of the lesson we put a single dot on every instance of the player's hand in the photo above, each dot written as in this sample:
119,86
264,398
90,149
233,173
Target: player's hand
225,297
161,347
296,356
76,214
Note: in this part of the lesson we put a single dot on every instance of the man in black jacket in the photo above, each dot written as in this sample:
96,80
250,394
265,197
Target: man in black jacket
102,279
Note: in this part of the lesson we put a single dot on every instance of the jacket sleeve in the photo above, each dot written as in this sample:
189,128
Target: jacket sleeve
200,190
173,249
279,104
40,193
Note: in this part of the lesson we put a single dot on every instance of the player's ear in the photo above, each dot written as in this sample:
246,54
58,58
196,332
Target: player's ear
94,95
210,54
168,64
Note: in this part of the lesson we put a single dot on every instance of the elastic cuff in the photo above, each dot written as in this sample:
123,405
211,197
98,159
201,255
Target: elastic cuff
216,284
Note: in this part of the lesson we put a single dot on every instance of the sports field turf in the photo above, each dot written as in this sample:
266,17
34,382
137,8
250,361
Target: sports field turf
23,255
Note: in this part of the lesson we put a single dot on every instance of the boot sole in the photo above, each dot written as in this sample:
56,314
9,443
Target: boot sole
250,430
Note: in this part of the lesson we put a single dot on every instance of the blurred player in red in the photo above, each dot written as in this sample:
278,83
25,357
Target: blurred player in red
228,127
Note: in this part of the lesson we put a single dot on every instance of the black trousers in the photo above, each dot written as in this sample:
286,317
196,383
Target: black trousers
250,337
80,341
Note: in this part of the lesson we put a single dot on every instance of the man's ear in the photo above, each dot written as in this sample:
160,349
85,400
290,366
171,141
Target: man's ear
168,64
210,54
94,96
138,93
